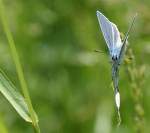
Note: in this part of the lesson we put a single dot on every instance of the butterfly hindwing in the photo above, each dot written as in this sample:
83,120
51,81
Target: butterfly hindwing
116,40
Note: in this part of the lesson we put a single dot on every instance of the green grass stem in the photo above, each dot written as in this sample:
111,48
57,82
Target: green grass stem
18,66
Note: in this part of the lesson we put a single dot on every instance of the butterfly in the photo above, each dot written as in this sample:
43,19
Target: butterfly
116,48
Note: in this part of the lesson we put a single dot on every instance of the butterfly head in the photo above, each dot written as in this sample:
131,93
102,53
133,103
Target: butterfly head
114,58
115,54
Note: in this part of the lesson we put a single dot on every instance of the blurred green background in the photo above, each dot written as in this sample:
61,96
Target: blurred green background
70,85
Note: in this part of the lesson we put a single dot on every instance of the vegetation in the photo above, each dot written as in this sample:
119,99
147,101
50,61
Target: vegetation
70,85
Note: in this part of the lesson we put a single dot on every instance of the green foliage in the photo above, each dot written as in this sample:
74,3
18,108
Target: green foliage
14,97
137,78
3,128
69,84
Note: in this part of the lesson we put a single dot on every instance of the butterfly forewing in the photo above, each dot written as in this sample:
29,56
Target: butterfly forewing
111,34
106,29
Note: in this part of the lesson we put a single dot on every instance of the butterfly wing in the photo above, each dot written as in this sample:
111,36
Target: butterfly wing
111,34
106,28
117,41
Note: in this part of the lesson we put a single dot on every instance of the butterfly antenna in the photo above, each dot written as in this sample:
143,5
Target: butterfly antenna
127,34
99,51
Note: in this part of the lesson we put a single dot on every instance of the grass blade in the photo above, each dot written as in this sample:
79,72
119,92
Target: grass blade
18,67
14,97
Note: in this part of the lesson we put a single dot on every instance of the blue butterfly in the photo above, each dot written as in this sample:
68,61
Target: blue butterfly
116,48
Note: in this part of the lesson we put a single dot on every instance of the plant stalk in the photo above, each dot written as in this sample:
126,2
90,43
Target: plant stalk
18,66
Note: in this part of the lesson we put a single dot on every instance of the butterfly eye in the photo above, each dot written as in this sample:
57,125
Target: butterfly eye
113,58
116,58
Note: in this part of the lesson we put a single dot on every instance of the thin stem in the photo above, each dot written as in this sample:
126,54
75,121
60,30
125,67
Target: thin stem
134,76
18,66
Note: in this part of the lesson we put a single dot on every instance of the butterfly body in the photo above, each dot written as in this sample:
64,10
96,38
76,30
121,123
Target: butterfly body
115,74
